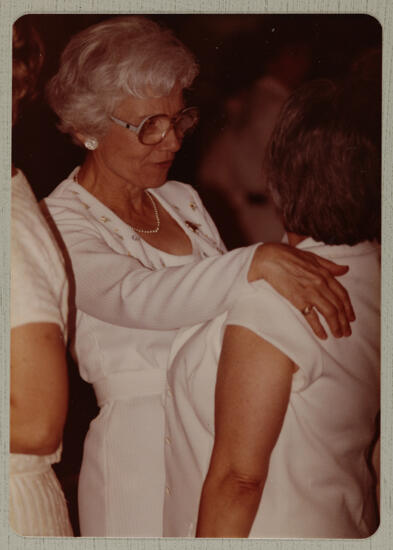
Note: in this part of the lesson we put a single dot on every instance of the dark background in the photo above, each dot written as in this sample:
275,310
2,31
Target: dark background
232,51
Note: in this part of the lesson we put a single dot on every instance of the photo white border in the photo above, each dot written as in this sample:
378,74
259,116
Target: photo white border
382,10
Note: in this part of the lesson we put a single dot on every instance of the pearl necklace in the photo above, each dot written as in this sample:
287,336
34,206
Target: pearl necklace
156,214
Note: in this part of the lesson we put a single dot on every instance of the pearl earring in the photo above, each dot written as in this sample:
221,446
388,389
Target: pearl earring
91,144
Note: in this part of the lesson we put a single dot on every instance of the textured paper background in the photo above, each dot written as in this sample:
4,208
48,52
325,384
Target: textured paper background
382,10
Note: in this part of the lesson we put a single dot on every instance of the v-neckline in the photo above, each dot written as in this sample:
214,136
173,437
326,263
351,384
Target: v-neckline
167,207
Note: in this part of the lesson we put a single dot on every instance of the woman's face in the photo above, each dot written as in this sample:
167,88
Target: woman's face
120,154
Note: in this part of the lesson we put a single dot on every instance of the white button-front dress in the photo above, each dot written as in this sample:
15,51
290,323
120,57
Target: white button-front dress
131,298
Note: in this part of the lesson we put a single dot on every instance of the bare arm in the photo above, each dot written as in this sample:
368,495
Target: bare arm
39,388
252,393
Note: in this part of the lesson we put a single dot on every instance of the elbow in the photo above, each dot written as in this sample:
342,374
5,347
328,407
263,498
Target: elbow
229,502
40,441
239,484
34,445
244,483
38,437
46,440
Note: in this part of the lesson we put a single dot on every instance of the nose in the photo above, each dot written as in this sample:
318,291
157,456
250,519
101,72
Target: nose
171,142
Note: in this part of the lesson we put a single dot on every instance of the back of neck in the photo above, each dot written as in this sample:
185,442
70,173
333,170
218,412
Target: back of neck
294,239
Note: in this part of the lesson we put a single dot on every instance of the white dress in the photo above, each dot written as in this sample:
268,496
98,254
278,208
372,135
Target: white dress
39,293
318,484
127,292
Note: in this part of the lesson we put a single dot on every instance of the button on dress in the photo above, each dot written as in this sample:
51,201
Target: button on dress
131,299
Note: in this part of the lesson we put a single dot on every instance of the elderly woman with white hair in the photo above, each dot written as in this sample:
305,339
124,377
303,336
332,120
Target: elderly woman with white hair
147,258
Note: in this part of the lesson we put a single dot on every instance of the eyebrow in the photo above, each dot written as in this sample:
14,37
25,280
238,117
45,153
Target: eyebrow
147,115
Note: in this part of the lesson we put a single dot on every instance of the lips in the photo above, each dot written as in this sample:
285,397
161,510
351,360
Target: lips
165,164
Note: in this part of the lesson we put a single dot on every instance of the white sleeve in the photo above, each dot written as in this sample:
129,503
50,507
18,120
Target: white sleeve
119,289
39,289
263,311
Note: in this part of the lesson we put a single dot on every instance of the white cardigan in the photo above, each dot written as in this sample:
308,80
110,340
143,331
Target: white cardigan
122,281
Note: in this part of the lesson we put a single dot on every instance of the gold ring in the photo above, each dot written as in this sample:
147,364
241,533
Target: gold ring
307,310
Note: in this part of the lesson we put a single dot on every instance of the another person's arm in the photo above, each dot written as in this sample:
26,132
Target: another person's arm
38,304
252,393
39,388
118,289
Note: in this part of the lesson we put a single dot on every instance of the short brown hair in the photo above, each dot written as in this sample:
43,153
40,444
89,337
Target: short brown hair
323,168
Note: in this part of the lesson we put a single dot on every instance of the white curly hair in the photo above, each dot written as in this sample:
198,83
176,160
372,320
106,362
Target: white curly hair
103,64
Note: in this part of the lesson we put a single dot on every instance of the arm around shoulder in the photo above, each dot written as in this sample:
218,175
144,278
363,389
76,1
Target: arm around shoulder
128,293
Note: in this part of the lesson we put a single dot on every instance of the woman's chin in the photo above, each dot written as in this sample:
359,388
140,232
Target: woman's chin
159,175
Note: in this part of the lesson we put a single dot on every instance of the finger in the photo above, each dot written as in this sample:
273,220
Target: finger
328,309
312,289
305,296
341,292
345,327
336,293
307,260
338,310
314,322
332,267
310,265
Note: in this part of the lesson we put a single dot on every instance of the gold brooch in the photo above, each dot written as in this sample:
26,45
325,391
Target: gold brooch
193,226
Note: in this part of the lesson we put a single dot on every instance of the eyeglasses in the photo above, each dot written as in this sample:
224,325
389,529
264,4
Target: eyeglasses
154,128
